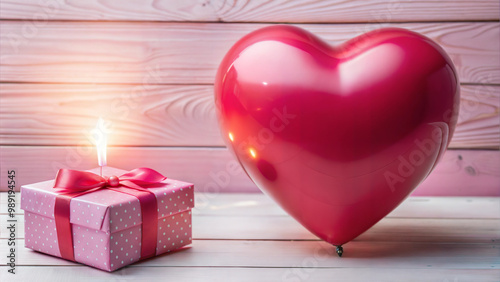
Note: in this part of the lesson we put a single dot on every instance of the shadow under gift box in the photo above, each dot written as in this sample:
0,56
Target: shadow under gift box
106,224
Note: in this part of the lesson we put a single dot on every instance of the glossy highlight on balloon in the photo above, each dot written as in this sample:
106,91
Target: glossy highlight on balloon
340,135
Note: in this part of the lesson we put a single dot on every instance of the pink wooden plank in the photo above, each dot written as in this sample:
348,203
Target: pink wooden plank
460,173
479,117
259,205
173,115
142,53
254,11
252,274
463,173
397,254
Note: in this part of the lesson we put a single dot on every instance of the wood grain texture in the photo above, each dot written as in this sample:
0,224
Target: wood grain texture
148,66
173,115
256,205
458,173
234,253
264,240
163,53
467,231
479,118
325,11
431,230
245,274
161,115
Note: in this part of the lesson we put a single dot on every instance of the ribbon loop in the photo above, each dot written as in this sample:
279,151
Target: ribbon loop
143,176
71,181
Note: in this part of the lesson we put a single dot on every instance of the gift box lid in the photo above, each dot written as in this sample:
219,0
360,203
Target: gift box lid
107,210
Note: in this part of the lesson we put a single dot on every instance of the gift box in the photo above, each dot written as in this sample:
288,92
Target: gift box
107,225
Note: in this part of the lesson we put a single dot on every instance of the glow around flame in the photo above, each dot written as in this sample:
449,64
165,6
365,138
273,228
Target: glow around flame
100,140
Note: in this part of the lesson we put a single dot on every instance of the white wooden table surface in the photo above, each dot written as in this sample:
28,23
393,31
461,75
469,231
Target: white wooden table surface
247,237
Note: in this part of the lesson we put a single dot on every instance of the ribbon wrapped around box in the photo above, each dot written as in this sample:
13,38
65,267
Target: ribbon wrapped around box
107,222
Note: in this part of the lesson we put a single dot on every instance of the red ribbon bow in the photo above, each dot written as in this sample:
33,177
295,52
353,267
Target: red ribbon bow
73,183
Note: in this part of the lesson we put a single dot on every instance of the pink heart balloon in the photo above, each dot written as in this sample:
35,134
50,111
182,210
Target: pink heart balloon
338,136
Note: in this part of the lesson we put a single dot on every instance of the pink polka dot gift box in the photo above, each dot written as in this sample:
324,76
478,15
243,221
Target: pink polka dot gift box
110,225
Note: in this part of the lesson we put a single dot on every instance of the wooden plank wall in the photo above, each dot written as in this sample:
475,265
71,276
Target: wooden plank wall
148,68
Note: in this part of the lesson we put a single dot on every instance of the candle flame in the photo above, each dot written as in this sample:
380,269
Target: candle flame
100,140
231,137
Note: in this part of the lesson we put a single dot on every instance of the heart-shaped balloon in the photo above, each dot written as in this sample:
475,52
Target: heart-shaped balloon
338,136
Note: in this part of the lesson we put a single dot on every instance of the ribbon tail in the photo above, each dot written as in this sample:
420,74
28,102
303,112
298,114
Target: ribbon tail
63,226
62,217
149,214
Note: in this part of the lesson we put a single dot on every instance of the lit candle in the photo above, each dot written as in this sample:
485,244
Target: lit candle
100,141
